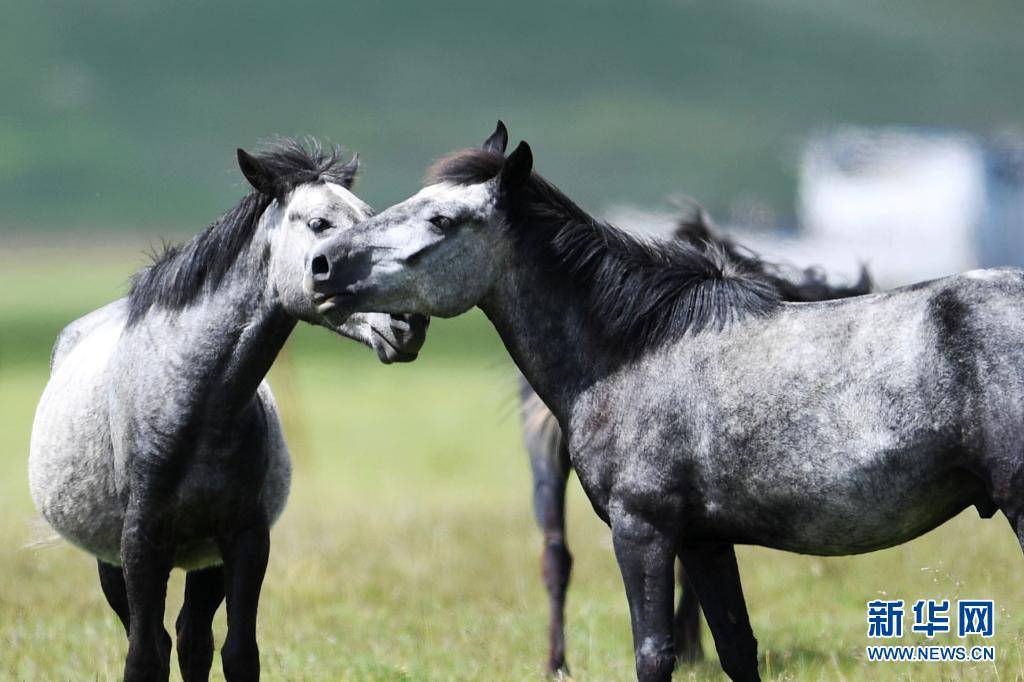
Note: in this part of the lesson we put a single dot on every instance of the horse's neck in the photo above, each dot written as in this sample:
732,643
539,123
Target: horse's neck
543,325
228,339
266,327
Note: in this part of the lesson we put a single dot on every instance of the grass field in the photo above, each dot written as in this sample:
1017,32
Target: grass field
408,549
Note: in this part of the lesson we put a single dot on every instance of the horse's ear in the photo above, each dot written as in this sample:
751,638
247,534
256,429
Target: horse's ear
257,173
348,172
517,168
864,283
498,140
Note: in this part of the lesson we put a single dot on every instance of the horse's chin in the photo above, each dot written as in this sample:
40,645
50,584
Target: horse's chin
388,352
399,340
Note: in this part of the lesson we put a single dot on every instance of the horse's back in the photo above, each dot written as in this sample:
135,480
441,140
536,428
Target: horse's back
110,316
71,464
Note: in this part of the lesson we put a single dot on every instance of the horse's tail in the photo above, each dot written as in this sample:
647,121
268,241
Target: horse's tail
541,432
41,535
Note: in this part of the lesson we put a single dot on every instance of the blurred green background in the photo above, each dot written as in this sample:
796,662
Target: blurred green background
125,115
408,550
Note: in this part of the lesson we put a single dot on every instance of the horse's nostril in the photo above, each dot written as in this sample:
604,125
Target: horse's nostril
321,268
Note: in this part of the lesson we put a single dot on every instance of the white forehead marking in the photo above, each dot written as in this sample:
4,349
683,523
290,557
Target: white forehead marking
432,191
314,195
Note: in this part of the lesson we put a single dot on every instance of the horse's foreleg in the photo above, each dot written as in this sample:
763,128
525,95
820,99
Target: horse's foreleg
716,578
245,563
687,623
550,465
646,557
112,582
147,556
204,591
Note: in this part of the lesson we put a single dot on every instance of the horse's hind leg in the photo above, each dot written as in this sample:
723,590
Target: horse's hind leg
204,591
716,578
549,462
245,563
687,622
112,583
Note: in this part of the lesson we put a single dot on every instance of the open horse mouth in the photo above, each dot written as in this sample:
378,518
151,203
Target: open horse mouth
335,306
389,350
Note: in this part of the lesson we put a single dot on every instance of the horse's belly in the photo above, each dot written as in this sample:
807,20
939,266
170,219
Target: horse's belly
846,517
71,463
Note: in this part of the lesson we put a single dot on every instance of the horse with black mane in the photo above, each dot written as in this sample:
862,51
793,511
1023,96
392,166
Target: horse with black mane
549,453
157,443
701,410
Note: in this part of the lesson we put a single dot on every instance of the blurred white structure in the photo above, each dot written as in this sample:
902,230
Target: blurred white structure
911,204
906,203
1001,232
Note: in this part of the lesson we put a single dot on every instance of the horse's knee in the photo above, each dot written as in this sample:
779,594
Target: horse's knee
655,661
556,564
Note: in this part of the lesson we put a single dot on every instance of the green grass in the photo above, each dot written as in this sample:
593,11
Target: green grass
408,549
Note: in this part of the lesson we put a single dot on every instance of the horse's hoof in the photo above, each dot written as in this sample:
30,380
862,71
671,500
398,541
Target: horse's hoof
558,670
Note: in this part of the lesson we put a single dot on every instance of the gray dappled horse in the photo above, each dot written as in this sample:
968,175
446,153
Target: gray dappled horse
549,454
700,409
157,444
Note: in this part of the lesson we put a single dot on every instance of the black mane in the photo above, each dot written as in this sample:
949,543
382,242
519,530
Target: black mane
179,273
639,292
793,284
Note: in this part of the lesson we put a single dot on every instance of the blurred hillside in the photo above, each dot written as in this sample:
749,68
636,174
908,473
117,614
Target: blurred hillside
125,115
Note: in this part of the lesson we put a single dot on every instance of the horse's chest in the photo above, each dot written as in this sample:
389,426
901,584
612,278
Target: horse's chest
620,458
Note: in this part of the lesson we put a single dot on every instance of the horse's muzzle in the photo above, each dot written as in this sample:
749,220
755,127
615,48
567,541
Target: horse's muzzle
336,271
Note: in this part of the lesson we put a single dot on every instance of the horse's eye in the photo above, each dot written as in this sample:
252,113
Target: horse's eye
319,224
442,222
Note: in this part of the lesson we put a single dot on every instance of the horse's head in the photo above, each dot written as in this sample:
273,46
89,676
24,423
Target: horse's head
438,252
311,203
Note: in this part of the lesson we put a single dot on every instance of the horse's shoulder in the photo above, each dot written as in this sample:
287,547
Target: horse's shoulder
69,337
